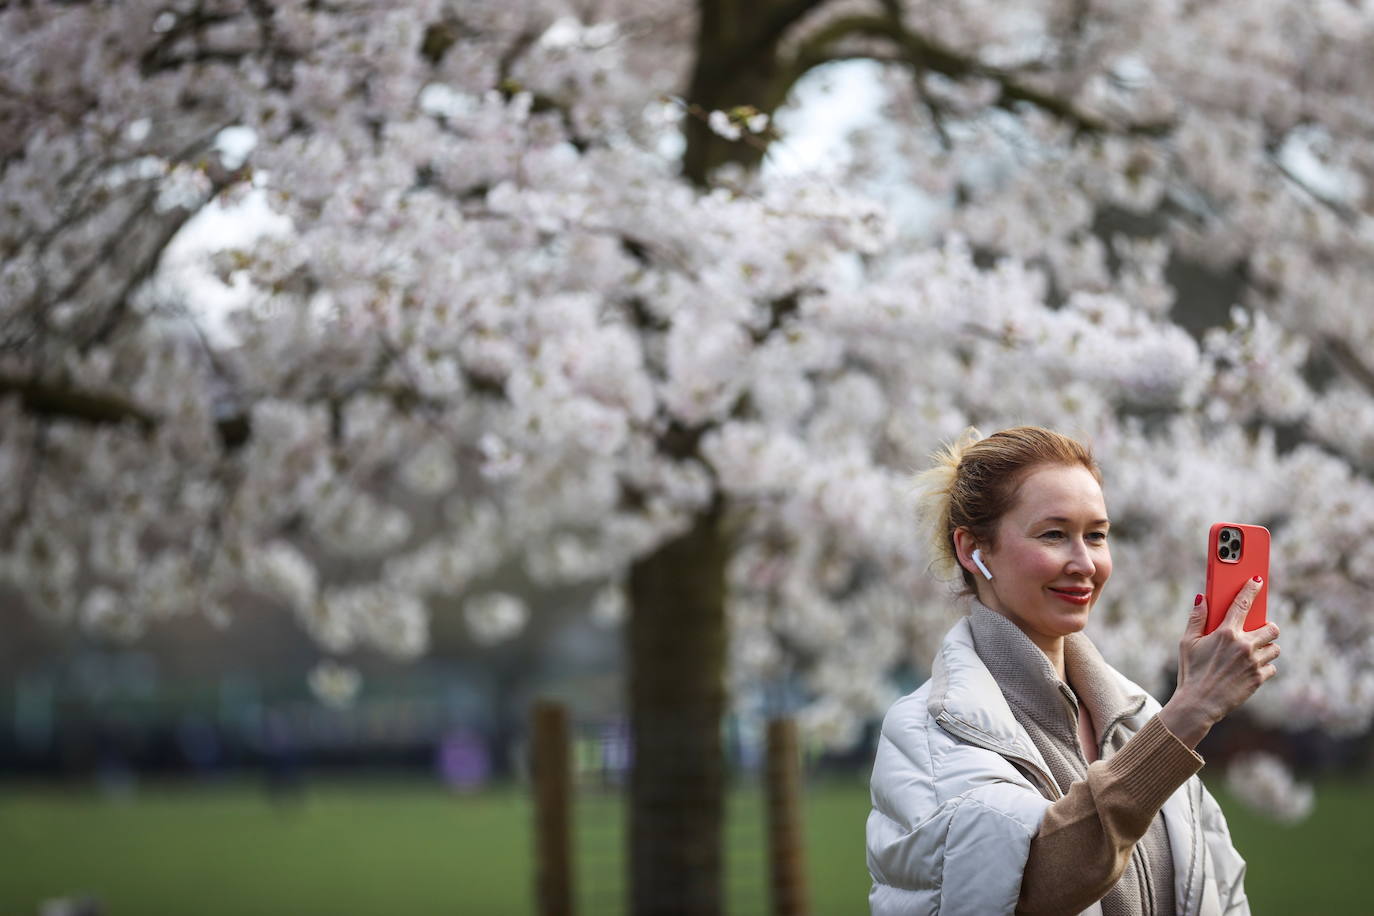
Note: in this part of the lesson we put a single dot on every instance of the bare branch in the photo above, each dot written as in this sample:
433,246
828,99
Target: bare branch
925,55
1344,355
1344,212
69,403
167,230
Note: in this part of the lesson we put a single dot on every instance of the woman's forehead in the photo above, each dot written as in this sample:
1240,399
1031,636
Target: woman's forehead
1060,491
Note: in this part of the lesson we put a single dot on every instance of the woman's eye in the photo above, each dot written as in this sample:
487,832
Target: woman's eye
1096,537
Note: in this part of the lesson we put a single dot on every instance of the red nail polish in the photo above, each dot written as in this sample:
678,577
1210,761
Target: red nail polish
1258,579
1197,600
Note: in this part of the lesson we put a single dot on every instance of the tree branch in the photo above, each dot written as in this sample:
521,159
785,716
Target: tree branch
220,180
59,401
69,403
769,31
924,55
1344,212
1344,355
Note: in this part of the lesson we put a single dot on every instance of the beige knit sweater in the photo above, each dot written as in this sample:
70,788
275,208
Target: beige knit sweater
1088,839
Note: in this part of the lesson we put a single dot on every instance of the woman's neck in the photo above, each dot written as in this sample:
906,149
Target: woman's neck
1053,649
1052,646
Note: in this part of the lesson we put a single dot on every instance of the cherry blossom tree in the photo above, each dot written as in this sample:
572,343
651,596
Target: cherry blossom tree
530,302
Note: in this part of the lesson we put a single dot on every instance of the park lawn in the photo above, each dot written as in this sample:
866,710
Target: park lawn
1317,866
339,849
366,847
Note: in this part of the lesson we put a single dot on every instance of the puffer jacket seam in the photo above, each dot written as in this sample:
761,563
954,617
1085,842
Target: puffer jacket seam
1195,817
887,816
971,727
965,798
896,885
930,757
915,889
955,803
1231,891
913,755
944,856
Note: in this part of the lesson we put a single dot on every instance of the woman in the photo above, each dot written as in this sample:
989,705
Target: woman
1027,774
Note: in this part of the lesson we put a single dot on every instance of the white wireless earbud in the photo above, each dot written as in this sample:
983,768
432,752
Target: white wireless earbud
978,561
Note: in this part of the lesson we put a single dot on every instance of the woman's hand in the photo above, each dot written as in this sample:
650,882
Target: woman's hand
1219,671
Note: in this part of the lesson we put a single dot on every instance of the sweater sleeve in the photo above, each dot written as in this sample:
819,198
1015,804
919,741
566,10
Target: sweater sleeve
1086,837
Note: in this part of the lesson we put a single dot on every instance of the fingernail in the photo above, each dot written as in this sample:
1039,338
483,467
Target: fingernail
1197,600
1257,579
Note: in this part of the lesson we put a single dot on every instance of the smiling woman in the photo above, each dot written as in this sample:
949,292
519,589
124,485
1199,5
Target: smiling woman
1028,775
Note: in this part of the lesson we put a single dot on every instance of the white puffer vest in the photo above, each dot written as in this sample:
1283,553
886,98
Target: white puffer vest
959,790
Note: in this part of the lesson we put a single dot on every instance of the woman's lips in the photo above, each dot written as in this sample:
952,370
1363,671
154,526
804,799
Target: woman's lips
1073,595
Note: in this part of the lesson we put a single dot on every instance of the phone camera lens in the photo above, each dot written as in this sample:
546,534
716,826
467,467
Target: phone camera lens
1225,535
1224,553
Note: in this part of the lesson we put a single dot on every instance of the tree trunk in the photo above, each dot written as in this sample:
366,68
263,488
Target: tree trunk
717,88
737,63
676,629
676,633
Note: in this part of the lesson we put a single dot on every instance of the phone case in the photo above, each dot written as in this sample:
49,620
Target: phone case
1226,577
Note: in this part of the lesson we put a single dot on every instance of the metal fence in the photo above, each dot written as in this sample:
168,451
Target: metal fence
579,773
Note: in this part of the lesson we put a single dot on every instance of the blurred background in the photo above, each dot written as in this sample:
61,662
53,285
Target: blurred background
200,770
458,454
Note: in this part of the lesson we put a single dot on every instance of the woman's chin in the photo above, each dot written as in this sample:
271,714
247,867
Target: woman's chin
1073,620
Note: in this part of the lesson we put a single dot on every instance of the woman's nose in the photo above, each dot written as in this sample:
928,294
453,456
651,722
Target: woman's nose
1081,560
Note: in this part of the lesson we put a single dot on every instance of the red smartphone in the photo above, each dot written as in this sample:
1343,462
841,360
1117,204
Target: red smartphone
1235,554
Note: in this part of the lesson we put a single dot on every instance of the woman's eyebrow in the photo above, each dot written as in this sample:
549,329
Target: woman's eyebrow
1062,520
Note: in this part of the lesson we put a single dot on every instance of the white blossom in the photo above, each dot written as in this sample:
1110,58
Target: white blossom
375,615
334,684
720,123
1266,785
355,522
281,570
114,547
105,613
609,606
431,470
495,616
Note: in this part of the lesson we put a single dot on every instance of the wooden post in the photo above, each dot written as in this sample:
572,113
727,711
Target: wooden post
552,778
783,797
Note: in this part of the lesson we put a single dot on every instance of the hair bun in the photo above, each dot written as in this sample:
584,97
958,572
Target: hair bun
933,489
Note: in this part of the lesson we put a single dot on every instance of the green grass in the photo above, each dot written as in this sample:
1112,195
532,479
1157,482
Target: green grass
1321,865
341,850
364,848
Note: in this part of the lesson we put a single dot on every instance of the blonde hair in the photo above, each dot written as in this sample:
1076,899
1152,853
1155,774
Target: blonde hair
974,482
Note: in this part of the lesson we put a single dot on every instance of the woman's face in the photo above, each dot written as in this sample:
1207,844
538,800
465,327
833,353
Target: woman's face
1051,559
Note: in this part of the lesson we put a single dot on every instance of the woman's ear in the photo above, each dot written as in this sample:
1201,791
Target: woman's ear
964,546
